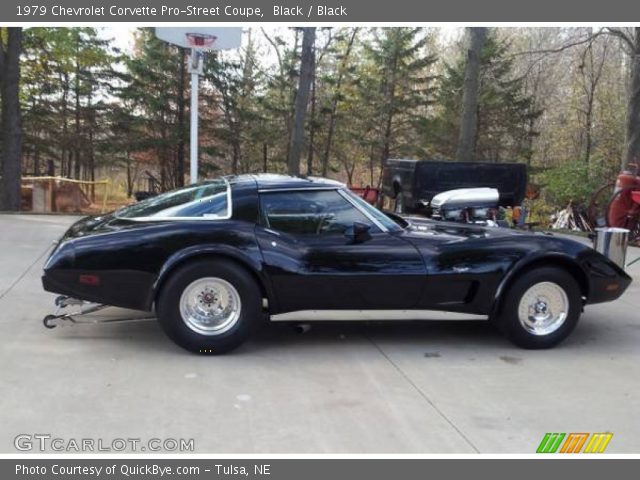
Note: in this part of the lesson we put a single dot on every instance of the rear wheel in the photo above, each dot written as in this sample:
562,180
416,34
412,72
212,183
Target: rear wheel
209,307
541,308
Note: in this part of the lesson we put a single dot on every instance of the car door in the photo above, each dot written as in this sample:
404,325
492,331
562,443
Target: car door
313,265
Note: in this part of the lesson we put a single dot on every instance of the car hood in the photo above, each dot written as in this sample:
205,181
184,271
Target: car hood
421,228
432,236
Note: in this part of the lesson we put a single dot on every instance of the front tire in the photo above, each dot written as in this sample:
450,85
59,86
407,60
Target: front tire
541,308
209,307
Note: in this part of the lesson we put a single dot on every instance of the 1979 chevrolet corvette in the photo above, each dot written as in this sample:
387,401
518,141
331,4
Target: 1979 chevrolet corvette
213,259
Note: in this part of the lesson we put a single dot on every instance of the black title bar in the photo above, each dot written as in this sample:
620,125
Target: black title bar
330,11
315,469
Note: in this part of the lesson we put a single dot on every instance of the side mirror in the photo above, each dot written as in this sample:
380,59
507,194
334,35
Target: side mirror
358,232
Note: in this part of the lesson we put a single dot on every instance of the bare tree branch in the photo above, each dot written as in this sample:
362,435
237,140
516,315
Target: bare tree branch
616,32
274,45
563,47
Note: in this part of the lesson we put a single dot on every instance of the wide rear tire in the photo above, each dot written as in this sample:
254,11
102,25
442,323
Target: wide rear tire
210,307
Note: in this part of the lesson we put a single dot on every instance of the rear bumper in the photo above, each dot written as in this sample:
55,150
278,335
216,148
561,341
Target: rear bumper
127,289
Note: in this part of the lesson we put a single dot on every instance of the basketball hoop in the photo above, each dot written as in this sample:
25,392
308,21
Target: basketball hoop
200,40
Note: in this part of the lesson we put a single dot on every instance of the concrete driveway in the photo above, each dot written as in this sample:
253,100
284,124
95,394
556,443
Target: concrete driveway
431,387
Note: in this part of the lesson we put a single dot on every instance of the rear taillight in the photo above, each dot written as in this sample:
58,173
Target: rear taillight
92,280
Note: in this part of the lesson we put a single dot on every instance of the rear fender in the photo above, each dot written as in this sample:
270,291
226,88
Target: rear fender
252,261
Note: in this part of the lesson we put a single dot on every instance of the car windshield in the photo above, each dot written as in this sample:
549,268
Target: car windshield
204,200
389,224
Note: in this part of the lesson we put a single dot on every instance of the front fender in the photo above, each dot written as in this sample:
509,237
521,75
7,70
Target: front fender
562,260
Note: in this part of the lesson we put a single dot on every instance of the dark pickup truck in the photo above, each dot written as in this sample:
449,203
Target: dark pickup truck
413,183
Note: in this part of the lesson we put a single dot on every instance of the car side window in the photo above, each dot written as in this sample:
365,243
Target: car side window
205,200
308,212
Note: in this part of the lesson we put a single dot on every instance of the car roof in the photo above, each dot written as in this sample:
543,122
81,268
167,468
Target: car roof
271,181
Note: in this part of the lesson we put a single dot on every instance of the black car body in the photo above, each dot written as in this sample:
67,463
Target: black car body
414,183
311,247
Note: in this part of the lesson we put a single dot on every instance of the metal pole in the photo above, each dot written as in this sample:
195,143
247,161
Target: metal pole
195,64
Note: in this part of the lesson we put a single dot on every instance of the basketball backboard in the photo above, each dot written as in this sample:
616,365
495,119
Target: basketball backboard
198,40
201,38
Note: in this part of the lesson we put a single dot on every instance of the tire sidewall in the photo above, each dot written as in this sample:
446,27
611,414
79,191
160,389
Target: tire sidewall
170,318
509,323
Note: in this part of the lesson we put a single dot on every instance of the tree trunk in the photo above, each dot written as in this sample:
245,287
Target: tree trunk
91,128
302,98
265,158
349,169
64,171
76,141
181,118
592,73
469,121
11,122
36,161
76,90
236,152
334,104
129,176
312,120
633,113
588,134
92,164
391,107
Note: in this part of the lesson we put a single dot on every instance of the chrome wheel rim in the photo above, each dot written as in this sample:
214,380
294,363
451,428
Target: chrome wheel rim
543,308
210,306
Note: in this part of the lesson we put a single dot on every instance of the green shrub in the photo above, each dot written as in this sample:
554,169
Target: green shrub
574,180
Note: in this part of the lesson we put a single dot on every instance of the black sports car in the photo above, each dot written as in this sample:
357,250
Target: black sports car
215,258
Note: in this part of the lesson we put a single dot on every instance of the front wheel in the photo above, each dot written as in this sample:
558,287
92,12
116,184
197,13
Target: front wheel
541,308
209,307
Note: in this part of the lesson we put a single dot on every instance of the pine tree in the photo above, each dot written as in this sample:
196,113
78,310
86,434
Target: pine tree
504,112
234,93
152,89
67,73
397,84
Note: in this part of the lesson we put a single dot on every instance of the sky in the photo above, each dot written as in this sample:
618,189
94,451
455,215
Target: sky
122,36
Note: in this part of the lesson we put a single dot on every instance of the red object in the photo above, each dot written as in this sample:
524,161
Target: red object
625,179
369,194
635,195
93,280
624,202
